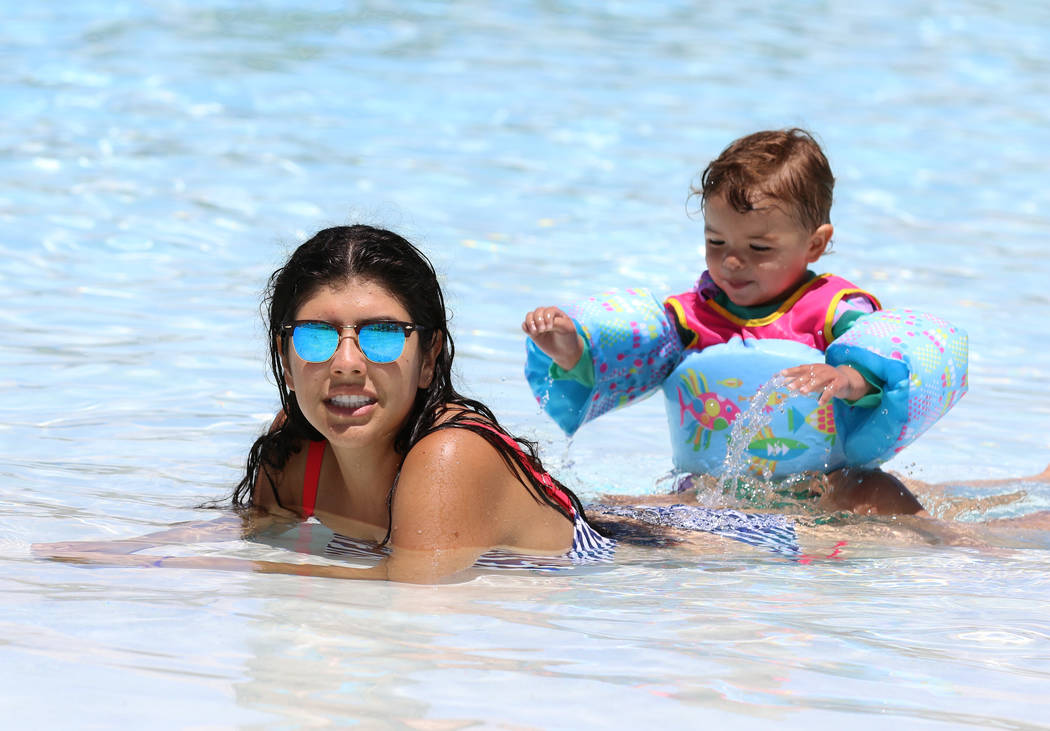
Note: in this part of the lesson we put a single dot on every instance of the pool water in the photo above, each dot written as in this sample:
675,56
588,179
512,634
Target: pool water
160,159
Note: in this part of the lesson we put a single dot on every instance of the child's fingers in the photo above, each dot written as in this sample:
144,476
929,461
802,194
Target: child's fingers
836,386
799,378
547,319
562,323
816,378
534,321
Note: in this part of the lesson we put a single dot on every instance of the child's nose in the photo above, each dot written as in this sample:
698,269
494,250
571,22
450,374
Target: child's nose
732,261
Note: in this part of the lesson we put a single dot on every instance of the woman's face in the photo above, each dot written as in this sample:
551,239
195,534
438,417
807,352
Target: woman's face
352,401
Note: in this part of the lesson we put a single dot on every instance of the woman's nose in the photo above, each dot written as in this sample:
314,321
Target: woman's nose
348,357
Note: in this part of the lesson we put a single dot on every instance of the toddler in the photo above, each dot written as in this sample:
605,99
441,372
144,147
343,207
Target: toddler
766,202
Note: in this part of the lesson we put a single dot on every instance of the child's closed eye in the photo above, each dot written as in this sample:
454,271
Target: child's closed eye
761,248
715,242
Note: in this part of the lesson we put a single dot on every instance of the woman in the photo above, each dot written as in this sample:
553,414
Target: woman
373,439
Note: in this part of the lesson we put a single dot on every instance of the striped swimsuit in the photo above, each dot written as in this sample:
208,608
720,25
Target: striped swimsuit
768,531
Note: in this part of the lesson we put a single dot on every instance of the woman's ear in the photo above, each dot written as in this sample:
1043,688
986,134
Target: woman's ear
430,356
818,242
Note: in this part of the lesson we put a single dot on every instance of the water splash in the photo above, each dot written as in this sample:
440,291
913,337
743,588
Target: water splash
747,425
750,482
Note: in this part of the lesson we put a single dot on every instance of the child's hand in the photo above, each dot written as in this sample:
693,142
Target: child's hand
830,381
555,334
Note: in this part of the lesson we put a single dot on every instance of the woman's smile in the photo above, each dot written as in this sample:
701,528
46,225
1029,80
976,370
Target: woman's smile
350,405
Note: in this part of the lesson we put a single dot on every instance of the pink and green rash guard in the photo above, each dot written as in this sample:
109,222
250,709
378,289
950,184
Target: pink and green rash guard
814,314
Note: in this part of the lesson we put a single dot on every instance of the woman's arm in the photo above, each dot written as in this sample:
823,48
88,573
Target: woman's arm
420,563
211,563
124,552
226,528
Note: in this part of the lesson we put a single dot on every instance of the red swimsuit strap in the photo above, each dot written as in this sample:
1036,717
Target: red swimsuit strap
314,456
555,493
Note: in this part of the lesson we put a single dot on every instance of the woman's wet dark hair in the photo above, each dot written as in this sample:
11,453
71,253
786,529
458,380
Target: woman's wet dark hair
332,257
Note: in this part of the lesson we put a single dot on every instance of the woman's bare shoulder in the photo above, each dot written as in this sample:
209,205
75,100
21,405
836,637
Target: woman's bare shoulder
452,448
455,463
457,493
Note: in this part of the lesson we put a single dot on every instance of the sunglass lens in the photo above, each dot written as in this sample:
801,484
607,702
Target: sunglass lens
315,342
382,342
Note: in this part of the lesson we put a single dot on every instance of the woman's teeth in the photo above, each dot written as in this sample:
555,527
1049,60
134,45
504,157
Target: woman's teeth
351,402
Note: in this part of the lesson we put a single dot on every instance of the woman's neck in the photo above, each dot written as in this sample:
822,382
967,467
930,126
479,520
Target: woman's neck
366,477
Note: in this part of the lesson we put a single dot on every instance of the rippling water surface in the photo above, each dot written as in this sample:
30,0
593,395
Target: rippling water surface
159,159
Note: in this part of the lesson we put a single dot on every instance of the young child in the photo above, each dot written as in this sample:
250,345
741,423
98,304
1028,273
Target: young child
766,202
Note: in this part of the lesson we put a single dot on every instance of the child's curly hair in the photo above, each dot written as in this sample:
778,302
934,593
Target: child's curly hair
786,165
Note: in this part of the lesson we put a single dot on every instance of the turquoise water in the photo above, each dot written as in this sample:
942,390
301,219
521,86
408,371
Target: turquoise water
158,160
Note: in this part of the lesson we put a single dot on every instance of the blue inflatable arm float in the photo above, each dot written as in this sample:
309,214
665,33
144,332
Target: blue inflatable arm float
633,344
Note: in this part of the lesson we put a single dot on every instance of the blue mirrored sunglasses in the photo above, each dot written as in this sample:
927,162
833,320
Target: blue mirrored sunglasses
316,341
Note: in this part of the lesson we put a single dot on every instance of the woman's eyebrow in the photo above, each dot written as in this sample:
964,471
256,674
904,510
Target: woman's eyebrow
382,318
359,321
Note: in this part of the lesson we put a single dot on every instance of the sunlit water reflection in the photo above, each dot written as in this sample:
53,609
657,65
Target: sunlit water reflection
160,159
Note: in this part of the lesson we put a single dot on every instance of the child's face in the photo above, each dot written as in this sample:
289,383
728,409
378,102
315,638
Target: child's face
758,256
